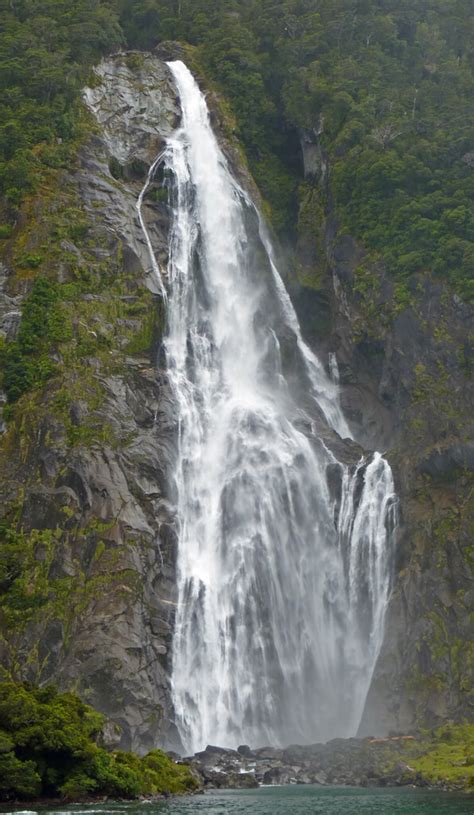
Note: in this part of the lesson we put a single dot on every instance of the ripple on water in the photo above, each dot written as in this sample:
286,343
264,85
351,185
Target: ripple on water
298,800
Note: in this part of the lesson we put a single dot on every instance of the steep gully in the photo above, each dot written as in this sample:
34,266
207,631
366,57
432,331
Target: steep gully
286,533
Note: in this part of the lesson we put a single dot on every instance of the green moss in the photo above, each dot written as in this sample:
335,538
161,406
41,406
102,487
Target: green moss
278,188
311,250
31,594
440,515
91,428
447,757
440,407
402,297
87,316
442,757
5,231
142,340
366,288
159,195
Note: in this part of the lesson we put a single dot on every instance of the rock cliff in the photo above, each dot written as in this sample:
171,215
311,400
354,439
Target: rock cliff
82,475
404,348
84,461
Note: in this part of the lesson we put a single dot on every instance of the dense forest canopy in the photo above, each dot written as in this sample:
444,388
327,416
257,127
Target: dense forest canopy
386,86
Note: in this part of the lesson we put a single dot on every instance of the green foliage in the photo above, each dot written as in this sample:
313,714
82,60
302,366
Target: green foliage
27,363
18,777
142,341
5,231
447,756
159,195
385,85
49,748
96,313
47,47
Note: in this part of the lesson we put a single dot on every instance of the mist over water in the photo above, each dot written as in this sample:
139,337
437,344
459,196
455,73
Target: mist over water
285,543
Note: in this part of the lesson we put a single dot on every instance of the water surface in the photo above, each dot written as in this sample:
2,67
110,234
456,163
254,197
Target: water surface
291,800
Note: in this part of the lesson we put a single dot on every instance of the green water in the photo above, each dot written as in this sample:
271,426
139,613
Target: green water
298,800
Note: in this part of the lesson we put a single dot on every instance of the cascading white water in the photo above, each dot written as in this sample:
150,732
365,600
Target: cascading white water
282,579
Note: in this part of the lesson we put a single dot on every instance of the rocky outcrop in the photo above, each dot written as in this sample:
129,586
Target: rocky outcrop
110,502
340,762
89,484
134,103
423,381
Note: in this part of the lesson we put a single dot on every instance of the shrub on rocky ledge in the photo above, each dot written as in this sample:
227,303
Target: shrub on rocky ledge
48,748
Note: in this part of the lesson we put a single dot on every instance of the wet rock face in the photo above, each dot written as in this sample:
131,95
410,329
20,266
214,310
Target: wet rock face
112,504
120,651
405,361
119,654
10,316
10,309
425,385
134,103
98,476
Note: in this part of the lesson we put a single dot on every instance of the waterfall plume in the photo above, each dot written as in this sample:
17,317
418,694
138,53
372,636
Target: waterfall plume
285,547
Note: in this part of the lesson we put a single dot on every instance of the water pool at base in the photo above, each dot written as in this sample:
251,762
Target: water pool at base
297,800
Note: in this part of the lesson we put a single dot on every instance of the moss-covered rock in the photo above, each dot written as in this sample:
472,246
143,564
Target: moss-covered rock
86,534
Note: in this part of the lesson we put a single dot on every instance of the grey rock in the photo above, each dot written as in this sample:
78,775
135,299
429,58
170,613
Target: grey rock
112,500
134,102
443,464
244,750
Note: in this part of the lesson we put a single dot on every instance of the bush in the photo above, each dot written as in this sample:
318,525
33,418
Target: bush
48,747
18,777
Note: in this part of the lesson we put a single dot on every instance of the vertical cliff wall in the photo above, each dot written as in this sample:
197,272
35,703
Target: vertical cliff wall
86,507
404,347
88,574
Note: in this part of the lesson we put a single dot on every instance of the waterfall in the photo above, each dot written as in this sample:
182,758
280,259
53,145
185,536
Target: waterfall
285,543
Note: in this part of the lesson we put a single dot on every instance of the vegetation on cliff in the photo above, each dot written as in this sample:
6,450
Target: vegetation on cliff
446,756
382,88
443,757
27,362
46,49
379,90
48,747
